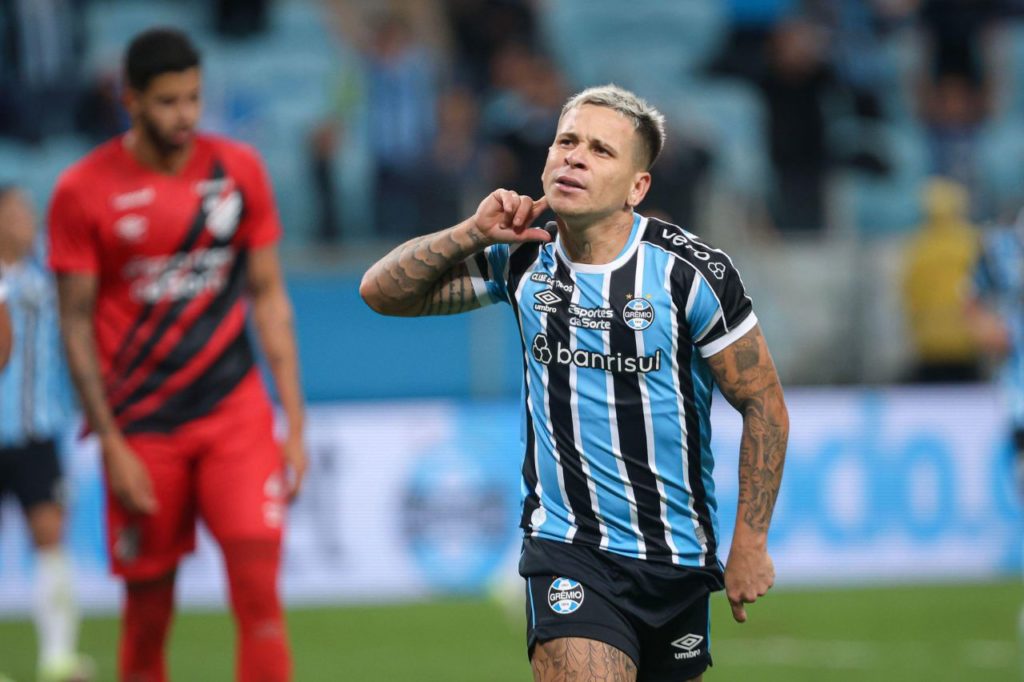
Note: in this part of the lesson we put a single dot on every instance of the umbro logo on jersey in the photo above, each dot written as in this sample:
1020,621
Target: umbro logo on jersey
547,297
690,646
547,300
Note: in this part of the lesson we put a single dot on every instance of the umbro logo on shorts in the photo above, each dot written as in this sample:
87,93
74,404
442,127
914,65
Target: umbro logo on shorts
690,645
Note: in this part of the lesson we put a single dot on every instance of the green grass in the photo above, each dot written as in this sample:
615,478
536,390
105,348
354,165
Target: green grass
934,633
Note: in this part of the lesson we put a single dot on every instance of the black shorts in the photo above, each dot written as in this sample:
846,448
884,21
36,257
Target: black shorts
32,473
655,613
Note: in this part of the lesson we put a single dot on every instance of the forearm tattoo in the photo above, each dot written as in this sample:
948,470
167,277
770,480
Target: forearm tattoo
426,276
573,659
747,378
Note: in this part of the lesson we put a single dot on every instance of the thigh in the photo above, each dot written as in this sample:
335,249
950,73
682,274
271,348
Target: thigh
582,626
240,481
575,658
35,475
144,546
679,649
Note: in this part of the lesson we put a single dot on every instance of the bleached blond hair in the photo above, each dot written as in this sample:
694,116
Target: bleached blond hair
648,121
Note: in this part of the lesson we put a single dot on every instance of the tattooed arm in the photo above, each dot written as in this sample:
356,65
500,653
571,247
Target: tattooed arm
746,376
427,276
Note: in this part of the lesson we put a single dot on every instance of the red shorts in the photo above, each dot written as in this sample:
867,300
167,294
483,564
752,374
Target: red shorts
225,469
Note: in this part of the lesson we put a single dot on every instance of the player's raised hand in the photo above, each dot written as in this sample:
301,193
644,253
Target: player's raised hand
505,217
293,449
127,476
749,575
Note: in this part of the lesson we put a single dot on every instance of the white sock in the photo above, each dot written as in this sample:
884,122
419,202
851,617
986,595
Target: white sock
56,612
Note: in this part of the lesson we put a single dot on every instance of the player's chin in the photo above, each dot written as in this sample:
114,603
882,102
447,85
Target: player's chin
178,140
566,206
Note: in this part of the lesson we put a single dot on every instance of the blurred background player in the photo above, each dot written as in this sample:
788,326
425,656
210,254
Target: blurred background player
995,312
158,237
6,338
627,323
31,417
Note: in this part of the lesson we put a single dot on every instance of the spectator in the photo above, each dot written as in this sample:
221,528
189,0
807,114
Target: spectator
953,115
454,166
522,116
41,42
481,29
938,264
241,18
99,114
752,22
795,86
682,169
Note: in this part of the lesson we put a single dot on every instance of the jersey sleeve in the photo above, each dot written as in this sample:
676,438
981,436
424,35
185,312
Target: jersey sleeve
718,309
488,272
262,222
74,238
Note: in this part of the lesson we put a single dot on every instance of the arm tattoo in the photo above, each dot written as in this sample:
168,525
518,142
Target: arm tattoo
426,276
573,659
746,376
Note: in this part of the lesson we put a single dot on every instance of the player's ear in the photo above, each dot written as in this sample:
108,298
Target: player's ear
641,183
130,99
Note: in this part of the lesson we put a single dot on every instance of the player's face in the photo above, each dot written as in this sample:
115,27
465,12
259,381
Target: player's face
168,110
593,167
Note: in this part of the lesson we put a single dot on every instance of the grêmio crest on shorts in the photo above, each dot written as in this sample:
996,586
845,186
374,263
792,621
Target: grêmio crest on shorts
617,391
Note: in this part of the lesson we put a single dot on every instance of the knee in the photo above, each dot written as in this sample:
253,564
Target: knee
46,523
252,576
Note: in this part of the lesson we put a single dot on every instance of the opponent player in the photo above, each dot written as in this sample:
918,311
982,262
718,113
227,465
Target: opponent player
626,322
158,238
31,418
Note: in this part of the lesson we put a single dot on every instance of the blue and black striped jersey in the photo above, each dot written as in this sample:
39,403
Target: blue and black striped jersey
999,280
617,394
34,398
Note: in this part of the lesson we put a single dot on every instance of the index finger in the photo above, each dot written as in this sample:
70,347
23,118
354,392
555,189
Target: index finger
298,476
539,207
143,497
739,612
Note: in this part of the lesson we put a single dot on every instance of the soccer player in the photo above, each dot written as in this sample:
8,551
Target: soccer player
6,336
31,417
626,324
160,238
995,313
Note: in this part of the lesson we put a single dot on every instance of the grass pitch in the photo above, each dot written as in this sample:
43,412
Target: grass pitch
934,633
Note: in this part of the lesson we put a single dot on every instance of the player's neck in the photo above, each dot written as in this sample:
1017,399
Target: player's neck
147,153
595,242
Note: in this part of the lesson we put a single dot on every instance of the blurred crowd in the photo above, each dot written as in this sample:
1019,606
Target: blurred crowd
461,95
910,111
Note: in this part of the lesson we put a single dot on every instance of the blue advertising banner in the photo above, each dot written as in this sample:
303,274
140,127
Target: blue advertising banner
408,499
